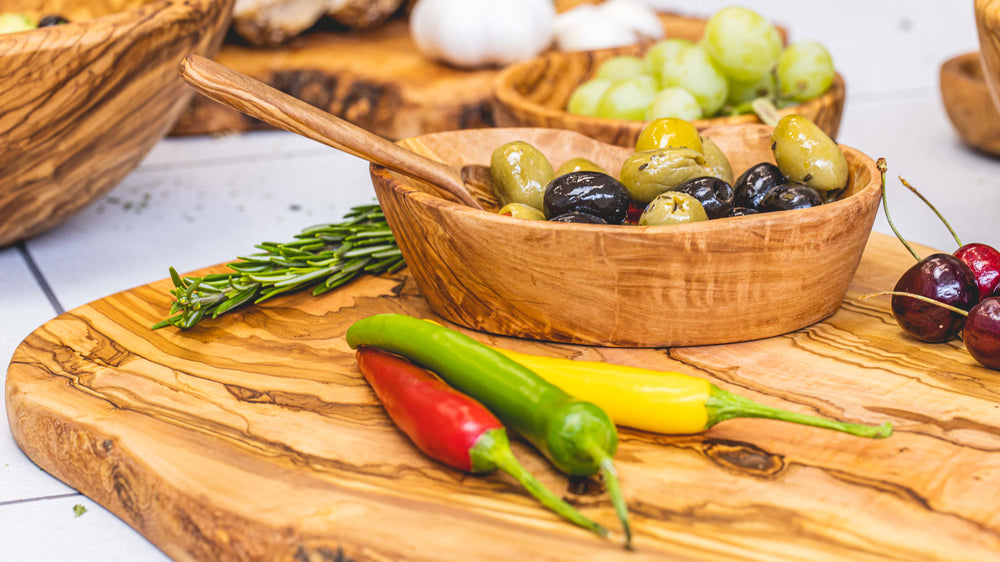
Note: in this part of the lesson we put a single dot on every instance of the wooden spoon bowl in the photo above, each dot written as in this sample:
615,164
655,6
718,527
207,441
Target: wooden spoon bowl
534,93
968,104
83,102
719,281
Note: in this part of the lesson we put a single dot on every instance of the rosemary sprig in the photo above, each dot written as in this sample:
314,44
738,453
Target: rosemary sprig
323,257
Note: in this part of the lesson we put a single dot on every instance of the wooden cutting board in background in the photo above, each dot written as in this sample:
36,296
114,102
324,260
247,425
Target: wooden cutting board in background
253,436
375,79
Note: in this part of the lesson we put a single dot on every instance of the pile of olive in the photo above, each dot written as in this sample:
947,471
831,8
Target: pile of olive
674,176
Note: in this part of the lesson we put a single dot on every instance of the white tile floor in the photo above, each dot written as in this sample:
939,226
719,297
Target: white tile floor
201,201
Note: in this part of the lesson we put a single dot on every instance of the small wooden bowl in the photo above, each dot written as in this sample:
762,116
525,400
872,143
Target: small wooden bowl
534,93
83,102
968,104
720,281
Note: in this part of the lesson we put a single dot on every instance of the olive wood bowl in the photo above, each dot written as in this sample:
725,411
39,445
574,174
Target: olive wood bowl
82,103
719,281
534,93
968,104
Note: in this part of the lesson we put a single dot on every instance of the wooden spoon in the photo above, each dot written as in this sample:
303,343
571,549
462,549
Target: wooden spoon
281,110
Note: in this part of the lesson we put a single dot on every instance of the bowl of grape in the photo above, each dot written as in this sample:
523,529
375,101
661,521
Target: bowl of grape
740,72
689,237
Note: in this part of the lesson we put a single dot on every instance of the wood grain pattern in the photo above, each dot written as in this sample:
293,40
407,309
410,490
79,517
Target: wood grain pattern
988,28
535,93
255,98
968,104
720,281
82,103
253,436
375,79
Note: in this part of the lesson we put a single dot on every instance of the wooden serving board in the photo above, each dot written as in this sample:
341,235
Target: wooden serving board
253,436
376,79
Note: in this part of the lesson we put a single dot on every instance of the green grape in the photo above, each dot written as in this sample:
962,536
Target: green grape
584,99
13,22
805,70
664,52
626,100
745,45
621,67
648,82
697,73
743,92
673,102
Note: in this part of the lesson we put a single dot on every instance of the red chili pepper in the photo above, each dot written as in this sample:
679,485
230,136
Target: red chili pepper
451,427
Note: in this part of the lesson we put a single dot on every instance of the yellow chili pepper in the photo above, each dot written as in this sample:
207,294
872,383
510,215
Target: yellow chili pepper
663,401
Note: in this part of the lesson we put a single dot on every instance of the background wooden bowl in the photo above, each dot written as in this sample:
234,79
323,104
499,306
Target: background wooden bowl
968,104
534,94
718,281
82,103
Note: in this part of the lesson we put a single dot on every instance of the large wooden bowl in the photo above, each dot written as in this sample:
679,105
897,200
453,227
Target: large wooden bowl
968,104
726,280
82,103
534,93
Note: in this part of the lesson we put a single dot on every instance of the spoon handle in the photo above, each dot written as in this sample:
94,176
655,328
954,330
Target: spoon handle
281,110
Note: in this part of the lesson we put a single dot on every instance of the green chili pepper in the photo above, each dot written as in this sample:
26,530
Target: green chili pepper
578,437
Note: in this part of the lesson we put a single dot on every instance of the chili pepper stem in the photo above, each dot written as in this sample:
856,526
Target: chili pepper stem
492,449
610,475
723,405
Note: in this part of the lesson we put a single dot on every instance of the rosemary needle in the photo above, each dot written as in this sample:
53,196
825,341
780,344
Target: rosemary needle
322,257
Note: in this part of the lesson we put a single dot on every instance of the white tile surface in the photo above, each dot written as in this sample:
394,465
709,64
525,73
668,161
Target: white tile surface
200,213
24,308
48,530
200,201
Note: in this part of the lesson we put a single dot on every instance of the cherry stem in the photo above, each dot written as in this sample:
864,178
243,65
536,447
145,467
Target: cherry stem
882,167
933,208
954,309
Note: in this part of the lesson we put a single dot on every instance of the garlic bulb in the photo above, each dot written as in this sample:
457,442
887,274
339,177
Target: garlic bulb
614,23
478,33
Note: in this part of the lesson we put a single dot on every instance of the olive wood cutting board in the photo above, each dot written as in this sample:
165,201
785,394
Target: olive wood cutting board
376,79
253,436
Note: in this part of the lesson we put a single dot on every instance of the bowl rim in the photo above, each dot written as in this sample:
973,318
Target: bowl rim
954,69
77,34
509,97
860,198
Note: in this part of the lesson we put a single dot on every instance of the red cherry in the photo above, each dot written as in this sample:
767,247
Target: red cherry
982,332
943,278
984,261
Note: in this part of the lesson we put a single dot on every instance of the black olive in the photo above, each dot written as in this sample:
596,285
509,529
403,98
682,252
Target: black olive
51,20
588,192
755,183
577,216
790,196
715,195
743,211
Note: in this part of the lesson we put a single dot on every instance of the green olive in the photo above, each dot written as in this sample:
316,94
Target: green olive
669,131
522,211
648,173
805,154
717,161
520,173
579,164
673,207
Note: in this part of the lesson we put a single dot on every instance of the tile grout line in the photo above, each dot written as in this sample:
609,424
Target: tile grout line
230,160
41,498
22,247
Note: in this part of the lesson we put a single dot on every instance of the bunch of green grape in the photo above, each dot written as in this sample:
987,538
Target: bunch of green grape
740,58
